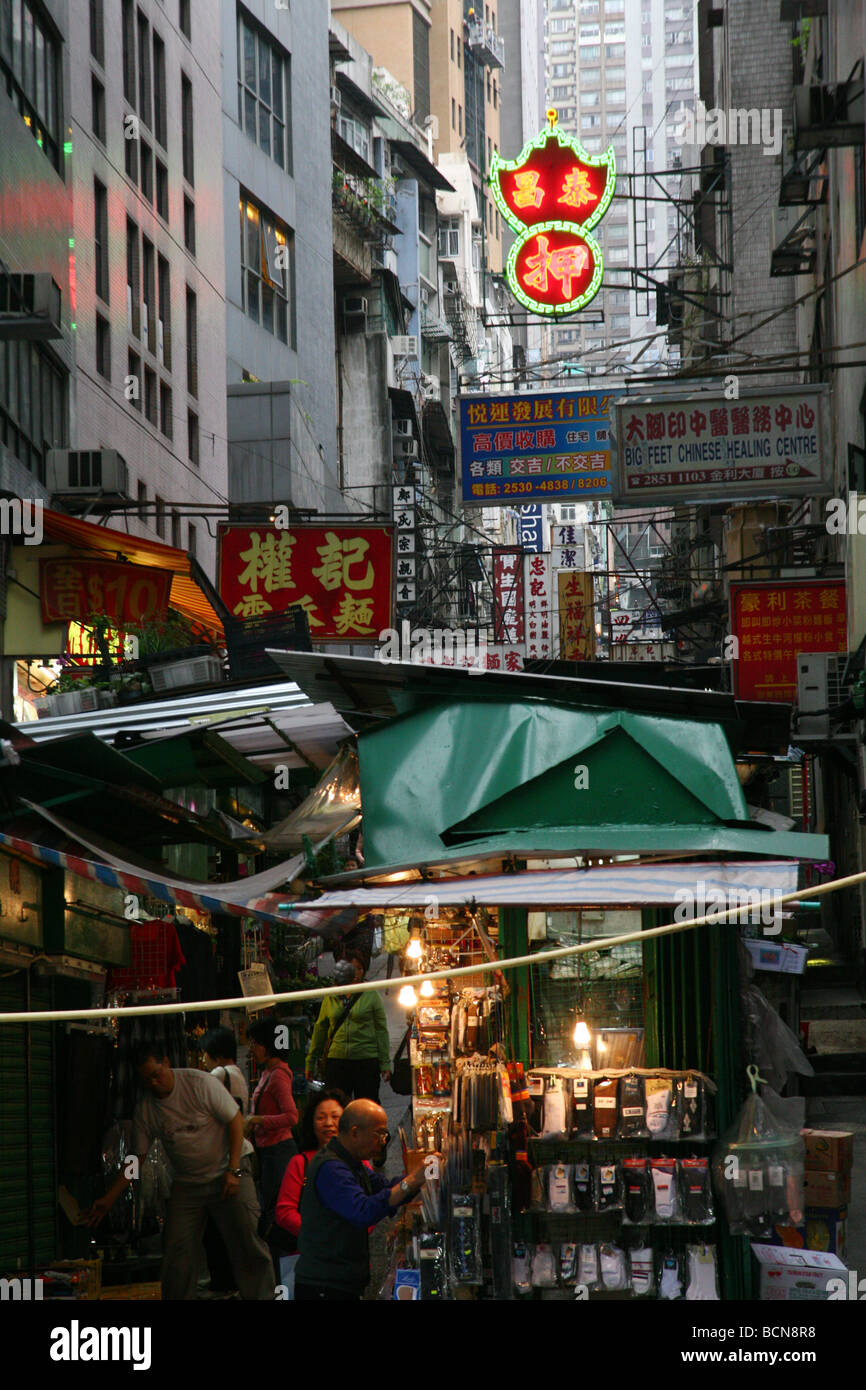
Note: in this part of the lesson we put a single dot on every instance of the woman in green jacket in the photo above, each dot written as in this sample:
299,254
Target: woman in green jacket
351,1037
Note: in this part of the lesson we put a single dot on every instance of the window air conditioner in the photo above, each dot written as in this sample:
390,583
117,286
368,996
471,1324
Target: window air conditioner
405,448
29,306
403,428
355,306
91,472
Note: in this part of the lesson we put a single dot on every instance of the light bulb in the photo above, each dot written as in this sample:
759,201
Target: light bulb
426,990
582,1036
407,997
414,950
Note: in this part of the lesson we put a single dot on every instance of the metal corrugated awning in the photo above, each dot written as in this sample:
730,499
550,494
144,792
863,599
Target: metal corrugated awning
620,885
188,594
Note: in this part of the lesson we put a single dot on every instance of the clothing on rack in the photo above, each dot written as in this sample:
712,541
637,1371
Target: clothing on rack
154,956
85,1087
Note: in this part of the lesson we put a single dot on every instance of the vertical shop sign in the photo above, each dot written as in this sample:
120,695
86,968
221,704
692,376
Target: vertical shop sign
508,611
405,575
576,616
536,579
530,528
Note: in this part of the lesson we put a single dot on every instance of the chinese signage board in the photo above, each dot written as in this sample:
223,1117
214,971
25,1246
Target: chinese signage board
706,448
544,446
340,575
551,195
508,602
576,616
773,622
127,595
536,579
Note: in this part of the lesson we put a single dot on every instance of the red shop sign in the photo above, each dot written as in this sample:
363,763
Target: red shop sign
127,595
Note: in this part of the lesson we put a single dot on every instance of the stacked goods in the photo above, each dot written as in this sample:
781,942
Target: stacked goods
827,1189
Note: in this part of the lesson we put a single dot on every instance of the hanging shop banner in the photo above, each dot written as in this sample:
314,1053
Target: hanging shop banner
643,651
773,622
546,446
576,616
530,528
536,579
708,449
340,575
127,595
508,600
551,195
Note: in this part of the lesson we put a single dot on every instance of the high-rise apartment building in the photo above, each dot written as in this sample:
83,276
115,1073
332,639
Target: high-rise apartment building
618,74
276,156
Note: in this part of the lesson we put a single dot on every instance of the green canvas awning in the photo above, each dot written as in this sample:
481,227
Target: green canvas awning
484,778
199,758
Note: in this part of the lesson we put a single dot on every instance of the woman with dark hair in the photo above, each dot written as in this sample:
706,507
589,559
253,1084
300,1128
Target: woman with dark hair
274,1114
318,1126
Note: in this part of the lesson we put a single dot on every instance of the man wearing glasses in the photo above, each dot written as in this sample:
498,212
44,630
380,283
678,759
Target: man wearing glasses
342,1199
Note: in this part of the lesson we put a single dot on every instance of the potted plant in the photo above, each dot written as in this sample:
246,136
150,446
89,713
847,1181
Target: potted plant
81,690
172,656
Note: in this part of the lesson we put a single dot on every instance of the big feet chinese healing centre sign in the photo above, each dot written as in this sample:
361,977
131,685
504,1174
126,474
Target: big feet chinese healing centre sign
551,195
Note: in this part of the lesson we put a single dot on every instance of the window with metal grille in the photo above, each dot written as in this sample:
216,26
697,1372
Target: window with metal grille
100,238
33,392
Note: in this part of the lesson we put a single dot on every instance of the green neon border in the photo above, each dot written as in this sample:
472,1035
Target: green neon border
565,142
537,306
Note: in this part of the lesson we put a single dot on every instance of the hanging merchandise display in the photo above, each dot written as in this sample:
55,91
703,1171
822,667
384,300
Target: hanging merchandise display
758,1170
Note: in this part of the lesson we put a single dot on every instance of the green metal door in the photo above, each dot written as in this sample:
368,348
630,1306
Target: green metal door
28,1178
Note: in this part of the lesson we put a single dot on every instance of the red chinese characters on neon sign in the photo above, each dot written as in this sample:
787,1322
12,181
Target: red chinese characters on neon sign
552,194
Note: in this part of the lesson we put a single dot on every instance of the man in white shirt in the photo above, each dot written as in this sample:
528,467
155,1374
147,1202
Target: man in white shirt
201,1128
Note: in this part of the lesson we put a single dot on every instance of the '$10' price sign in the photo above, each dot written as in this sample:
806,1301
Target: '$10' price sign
552,194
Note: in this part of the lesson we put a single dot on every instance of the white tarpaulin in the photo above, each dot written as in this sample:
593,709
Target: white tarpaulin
617,884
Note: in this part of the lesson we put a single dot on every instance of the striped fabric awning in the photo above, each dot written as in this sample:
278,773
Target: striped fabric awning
205,897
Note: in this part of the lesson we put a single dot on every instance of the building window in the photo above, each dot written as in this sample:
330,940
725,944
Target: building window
141,497
32,404
452,45
859,196
148,278
100,238
186,127
453,114
189,224
97,103
159,91
266,268
192,438
146,156
151,399
145,100
97,32
191,537
30,67
133,372
459,46
163,327
356,134
459,119
449,238
184,18
159,519
264,95
128,37
162,190
175,529
166,423
133,281
103,347
191,343
130,155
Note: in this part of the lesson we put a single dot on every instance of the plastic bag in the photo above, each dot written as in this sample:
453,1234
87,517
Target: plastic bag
774,1047
758,1170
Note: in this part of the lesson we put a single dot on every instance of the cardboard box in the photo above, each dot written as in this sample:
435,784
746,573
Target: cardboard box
793,1275
829,1150
823,1189
827,1229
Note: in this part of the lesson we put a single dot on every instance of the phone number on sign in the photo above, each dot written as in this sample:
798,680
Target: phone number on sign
554,485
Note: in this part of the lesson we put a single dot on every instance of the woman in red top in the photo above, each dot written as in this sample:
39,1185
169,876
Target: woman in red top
274,1114
318,1126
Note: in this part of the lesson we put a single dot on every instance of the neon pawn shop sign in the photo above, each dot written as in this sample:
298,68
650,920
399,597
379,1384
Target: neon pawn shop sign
551,195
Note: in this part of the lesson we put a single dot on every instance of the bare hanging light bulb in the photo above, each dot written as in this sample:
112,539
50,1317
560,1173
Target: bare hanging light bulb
407,997
414,950
426,990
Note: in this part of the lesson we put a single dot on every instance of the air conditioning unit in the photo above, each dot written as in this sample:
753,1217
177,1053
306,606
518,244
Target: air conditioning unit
402,428
355,307
828,115
431,389
405,345
336,98
87,472
29,306
819,688
405,448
